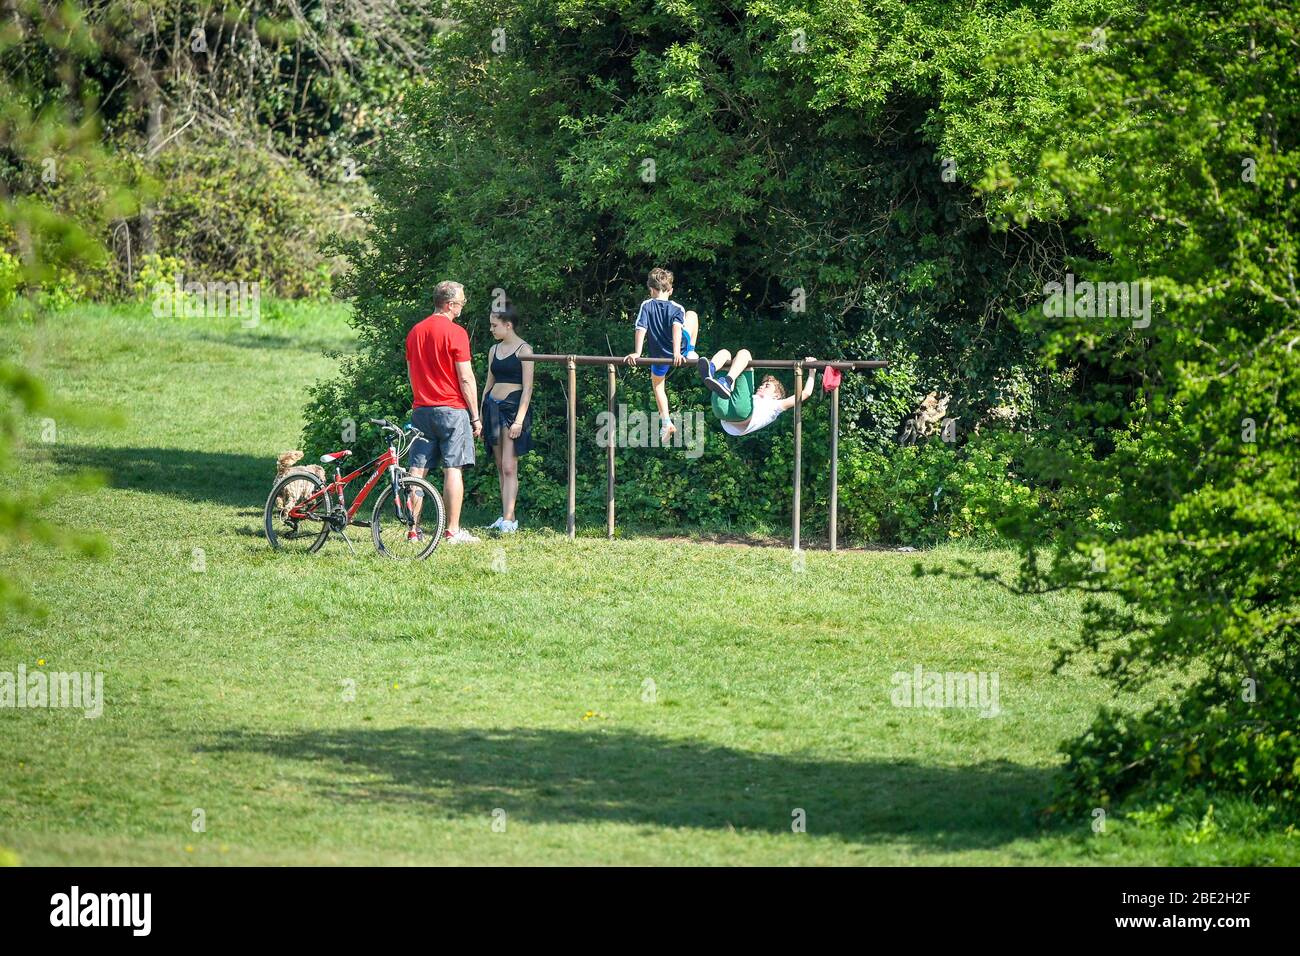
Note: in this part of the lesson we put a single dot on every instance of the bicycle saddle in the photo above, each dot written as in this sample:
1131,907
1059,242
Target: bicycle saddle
335,456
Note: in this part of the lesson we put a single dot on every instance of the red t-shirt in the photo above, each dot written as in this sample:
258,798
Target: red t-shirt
433,348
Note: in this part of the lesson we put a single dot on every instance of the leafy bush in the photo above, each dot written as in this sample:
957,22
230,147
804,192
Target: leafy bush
921,495
155,270
242,214
61,289
11,276
1214,737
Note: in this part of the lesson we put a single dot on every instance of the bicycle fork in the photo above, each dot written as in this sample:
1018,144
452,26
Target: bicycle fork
404,514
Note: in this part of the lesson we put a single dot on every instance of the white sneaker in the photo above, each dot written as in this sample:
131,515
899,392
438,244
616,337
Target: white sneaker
496,525
509,527
460,537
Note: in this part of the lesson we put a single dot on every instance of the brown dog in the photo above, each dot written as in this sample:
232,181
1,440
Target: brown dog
926,419
294,491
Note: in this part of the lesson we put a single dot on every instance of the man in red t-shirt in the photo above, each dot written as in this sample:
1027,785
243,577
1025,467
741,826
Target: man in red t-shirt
444,405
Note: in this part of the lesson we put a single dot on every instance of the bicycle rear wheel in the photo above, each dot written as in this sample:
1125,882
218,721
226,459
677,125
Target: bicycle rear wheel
391,530
291,522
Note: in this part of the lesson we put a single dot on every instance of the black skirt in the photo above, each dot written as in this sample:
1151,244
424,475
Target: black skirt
498,412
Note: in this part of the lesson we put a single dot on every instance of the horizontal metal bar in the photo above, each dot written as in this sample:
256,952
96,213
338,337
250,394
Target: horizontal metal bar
756,363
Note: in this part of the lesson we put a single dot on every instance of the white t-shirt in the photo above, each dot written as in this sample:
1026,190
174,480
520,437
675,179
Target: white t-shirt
766,411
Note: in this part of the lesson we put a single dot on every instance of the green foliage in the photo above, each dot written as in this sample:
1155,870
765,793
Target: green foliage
921,495
246,214
11,274
899,179
155,270
800,215
1208,740
61,289
1182,169
242,123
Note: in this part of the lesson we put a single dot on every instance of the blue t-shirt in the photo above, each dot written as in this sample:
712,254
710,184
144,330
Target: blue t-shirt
657,317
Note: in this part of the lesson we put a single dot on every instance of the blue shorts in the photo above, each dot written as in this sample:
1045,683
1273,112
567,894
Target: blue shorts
448,438
662,370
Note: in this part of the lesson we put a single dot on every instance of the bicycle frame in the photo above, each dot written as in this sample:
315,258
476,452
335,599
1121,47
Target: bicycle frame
387,462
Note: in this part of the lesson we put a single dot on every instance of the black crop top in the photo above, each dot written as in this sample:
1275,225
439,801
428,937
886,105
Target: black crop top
508,370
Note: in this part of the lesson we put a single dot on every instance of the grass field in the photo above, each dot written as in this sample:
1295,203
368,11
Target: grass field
339,709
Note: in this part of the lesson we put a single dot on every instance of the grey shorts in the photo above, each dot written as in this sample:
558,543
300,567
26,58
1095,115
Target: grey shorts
448,438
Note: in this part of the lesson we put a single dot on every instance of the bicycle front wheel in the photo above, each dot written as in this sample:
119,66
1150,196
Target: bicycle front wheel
391,527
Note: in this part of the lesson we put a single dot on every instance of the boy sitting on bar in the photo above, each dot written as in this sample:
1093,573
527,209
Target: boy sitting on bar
672,331
741,408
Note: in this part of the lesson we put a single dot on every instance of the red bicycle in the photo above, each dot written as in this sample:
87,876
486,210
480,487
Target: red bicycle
303,511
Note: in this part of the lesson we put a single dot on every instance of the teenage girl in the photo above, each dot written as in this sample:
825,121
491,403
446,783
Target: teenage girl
507,418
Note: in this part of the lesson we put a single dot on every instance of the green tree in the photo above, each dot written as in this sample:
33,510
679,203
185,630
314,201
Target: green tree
1180,168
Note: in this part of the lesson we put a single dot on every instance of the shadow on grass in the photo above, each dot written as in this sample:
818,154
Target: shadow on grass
307,342
223,478
555,776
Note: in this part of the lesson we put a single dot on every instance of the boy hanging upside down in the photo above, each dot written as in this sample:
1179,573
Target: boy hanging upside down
742,408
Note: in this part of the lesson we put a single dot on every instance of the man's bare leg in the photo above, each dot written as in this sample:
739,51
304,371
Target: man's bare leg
453,493
720,358
416,504
692,327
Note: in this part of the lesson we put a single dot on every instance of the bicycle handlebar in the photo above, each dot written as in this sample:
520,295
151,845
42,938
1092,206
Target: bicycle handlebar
409,431
386,425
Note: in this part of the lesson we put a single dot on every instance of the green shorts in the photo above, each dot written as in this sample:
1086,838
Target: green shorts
741,404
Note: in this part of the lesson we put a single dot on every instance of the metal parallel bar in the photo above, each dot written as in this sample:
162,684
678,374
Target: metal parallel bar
835,463
609,361
798,451
573,447
609,461
845,365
